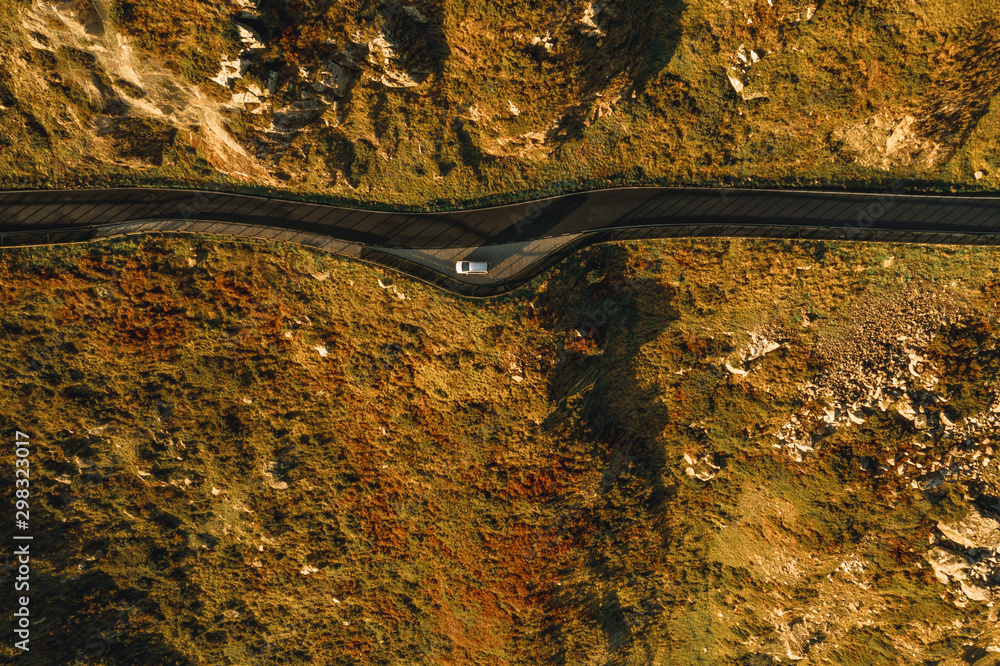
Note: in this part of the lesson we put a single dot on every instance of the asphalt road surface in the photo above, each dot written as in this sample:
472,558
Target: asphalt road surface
558,225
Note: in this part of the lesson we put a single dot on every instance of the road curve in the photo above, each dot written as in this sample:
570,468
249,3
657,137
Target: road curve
398,240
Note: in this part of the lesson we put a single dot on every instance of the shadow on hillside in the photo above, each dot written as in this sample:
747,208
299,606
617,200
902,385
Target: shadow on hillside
639,39
962,88
90,619
602,401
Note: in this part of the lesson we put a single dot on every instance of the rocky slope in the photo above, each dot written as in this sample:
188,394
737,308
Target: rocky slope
412,102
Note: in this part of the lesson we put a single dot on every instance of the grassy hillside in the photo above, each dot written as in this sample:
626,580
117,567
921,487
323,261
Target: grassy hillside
688,452
444,103
256,454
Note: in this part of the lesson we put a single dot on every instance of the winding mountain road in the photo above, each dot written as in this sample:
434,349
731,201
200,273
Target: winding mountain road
520,240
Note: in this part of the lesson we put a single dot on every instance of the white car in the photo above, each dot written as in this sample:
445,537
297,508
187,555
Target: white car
472,267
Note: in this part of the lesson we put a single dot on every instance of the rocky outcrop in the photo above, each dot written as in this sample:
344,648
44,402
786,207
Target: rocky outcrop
383,54
974,532
881,366
887,140
967,558
758,347
740,76
701,468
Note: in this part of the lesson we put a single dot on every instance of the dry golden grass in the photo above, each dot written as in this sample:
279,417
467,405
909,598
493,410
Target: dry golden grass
195,452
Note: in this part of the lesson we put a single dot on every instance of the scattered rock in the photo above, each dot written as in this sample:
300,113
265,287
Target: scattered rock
759,346
969,556
545,42
333,80
742,61
702,469
270,469
905,409
415,14
589,21
229,71
383,54
947,566
249,37
735,83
